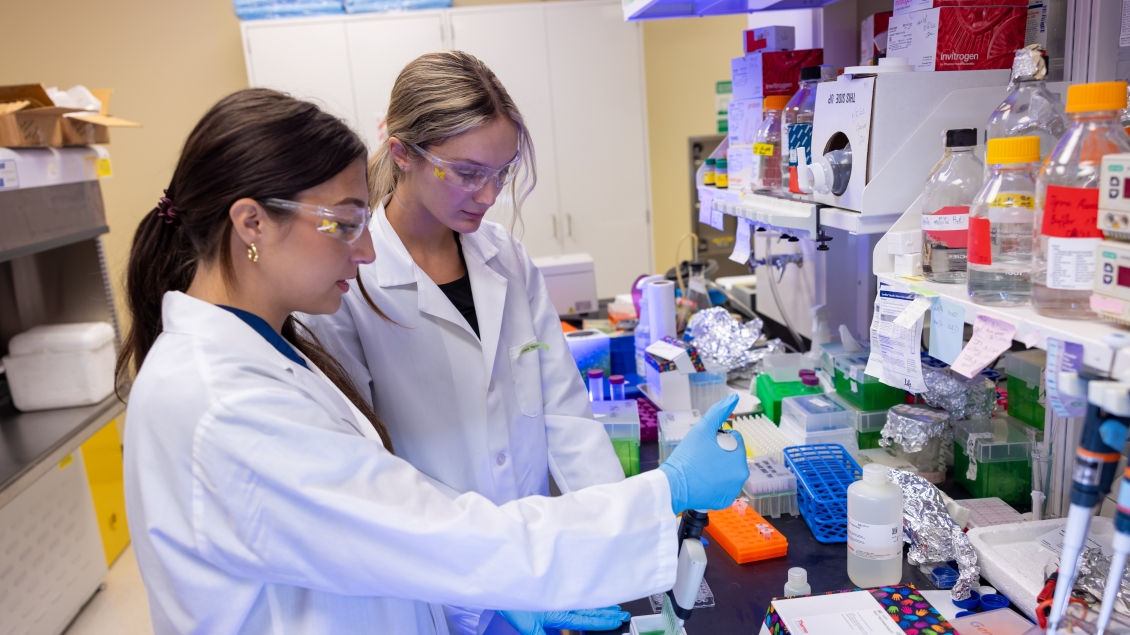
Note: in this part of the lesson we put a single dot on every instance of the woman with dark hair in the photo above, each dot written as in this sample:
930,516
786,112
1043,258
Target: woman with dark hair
262,490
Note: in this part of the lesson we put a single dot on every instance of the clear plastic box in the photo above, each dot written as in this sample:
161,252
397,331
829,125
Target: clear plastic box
816,412
621,421
707,389
865,391
673,426
1000,465
800,436
1009,440
773,505
785,367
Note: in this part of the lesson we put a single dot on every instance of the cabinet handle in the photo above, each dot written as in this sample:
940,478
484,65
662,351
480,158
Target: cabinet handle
554,219
569,224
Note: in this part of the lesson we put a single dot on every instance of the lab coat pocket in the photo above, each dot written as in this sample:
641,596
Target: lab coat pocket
525,366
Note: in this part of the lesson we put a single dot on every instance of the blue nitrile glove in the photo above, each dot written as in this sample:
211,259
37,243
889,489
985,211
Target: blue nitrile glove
702,474
531,623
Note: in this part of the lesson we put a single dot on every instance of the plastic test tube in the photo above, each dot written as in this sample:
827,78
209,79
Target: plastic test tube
596,385
616,387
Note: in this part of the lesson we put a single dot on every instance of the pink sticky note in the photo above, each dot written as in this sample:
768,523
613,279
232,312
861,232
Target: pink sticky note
1108,305
991,337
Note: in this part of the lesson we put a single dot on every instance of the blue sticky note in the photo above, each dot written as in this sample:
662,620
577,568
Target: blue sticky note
947,324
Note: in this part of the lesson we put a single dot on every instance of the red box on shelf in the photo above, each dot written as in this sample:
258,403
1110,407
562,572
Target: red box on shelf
760,75
910,6
958,38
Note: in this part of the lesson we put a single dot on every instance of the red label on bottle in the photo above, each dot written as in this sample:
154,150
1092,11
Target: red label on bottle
954,238
980,245
1071,212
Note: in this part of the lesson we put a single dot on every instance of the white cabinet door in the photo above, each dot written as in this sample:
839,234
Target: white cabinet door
306,58
599,115
511,40
379,48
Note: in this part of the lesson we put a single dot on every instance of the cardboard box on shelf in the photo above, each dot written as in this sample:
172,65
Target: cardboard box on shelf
958,38
770,38
910,6
763,74
873,37
28,118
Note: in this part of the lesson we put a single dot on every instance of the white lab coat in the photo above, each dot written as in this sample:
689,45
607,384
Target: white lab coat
494,417
259,503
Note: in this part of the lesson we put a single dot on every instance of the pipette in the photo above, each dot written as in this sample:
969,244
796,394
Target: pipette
1121,544
1095,463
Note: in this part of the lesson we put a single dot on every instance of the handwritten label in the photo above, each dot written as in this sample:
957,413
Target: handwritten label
1071,212
947,218
980,242
947,326
913,312
1063,357
705,205
1071,263
991,337
763,149
1013,199
741,243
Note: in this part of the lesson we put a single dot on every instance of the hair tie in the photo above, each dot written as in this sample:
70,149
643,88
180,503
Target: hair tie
166,210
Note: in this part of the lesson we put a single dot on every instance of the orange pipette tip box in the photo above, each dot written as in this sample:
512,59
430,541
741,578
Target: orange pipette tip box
742,539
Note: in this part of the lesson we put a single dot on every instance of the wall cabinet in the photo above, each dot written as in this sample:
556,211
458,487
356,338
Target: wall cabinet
575,70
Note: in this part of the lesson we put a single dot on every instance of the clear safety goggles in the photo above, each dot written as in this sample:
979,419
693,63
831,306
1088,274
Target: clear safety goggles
343,222
469,177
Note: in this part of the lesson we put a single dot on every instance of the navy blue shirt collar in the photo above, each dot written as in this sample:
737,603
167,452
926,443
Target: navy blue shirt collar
262,328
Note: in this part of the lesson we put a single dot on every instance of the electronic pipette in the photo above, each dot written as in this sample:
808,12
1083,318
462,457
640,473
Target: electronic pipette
1095,463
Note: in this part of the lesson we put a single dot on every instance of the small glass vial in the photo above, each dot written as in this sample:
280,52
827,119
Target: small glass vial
1001,224
953,184
1067,201
708,173
874,531
798,583
616,387
721,176
596,385
767,144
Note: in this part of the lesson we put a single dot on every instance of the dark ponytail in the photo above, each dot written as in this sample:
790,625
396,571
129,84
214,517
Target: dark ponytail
254,143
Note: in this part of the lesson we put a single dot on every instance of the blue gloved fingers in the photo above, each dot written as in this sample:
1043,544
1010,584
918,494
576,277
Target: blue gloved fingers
701,474
591,619
719,413
525,622
608,612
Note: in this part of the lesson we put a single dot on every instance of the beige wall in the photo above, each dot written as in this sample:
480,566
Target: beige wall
684,58
168,61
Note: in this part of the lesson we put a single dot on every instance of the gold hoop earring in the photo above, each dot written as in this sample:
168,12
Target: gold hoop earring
253,253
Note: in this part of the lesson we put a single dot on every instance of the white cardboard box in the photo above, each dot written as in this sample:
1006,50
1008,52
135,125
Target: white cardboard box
571,282
741,168
770,38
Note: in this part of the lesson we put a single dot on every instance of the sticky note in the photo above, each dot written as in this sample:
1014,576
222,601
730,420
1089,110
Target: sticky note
947,325
705,204
717,220
741,243
991,338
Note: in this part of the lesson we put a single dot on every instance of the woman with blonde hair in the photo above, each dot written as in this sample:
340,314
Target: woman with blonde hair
470,372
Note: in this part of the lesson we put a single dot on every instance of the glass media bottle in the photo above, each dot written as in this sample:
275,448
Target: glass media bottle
1030,108
953,184
796,127
767,144
1067,200
1001,224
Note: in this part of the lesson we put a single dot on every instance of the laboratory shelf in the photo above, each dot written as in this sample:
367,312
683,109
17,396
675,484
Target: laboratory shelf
33,442
42,218
660,9
787,213
1034,329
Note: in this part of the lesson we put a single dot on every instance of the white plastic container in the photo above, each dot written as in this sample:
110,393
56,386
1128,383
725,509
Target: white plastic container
798,583
874,510
61,365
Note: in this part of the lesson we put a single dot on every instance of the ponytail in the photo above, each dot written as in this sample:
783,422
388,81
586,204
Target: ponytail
255,143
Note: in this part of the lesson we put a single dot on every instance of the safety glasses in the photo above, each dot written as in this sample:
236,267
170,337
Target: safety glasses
469,177
343,222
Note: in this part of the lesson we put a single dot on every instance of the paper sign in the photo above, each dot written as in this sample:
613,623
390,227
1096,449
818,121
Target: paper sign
1064,357
991,338
717,220
1071,212
741,243
947,327
1053,541
900,349
705,205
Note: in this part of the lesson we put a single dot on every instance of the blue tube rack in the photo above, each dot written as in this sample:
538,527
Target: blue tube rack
823,472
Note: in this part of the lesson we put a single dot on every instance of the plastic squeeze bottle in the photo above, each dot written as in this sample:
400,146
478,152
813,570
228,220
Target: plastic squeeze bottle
798,583
953,184
874,531
1067,201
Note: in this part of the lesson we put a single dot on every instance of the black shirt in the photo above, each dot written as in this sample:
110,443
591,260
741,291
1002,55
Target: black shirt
459,293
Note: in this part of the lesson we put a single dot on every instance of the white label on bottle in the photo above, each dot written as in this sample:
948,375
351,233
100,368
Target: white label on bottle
874,542
1071,263
943,222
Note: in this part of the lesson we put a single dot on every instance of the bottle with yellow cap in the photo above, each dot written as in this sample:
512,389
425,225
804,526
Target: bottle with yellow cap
1067,200
767,145
1001,224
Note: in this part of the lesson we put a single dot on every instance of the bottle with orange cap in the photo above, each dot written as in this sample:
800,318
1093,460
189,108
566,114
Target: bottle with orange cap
1067,200
999,257
767,144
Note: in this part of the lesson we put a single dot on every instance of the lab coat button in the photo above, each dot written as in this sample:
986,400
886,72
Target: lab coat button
501,458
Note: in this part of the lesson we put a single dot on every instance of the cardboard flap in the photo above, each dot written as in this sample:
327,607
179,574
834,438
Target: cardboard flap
103,95
102,120
34,93
13,106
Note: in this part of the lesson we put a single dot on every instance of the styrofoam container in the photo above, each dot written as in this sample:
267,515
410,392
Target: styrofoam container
61,365
1012,559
